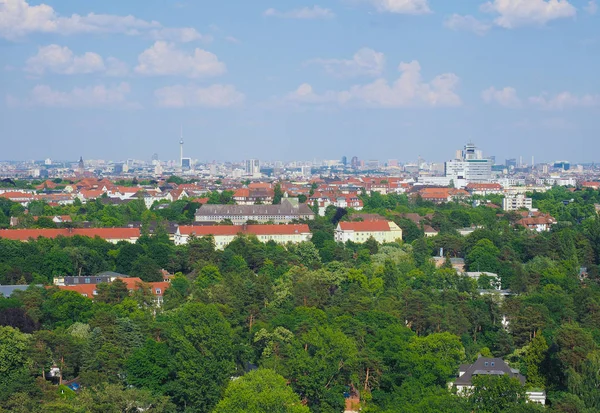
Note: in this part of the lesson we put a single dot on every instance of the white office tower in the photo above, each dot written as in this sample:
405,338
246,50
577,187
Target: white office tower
469,165
253,167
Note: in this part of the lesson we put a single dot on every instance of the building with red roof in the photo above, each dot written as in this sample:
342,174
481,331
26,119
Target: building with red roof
381,231
224,234
133,284
113,235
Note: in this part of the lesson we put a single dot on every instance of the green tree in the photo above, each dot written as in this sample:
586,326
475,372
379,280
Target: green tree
147,269
260,391
200,343
278,194
14,363
483,257
496,394
534,357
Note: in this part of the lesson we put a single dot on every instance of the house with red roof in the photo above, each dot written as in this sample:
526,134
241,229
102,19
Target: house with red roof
23,198
113,235
133,284
224,234
475,188
439,195
361,231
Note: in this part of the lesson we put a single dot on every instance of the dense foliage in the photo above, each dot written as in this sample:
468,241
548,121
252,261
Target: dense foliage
319,319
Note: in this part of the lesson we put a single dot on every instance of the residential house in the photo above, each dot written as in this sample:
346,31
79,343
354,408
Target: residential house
113,235
133,284
457,263
516,202
381,231
253,196
440,195
539,223
475,188
23,198
495,367
7,290
240,214
224,234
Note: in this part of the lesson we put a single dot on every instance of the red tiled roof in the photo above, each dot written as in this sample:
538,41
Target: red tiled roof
474,185
16,195
132,283
241,193
365,226
105,233
83,289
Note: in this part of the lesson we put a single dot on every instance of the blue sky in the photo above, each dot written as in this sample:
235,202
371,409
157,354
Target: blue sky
380,79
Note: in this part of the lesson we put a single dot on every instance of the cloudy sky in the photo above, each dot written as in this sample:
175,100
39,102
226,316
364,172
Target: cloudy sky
295,79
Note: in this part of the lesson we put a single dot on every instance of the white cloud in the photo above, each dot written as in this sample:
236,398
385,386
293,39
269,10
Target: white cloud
515,13
402,6
409,90
57,59
88,97
61,60
467,23
232,39
314,12
182,35
564,100
592,7
116,68
214,96
306,94
18,19
506,97
364,62
164,58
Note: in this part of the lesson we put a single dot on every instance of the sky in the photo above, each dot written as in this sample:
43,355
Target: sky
299,79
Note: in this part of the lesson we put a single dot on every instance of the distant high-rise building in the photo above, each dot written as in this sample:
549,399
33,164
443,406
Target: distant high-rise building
470,166
511,163
354,162
344,161
48,161
392,163
80,165
373,164
186,163
564,165
253,167
181,148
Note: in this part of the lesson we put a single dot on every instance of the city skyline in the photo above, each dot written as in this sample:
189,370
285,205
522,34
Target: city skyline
108,80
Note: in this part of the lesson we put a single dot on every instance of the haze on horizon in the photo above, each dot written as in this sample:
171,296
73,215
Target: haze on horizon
378,79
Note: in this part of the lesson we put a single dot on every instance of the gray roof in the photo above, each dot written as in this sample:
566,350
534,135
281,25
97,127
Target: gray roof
7,290
487,366
111,274
286,208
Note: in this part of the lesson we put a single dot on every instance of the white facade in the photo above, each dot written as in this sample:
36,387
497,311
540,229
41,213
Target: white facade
516,202
224,235
381,231
253,167
469,165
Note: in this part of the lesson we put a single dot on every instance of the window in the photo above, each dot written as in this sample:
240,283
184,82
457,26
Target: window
493,364
486,363
95,292
158,291
98,280
87,280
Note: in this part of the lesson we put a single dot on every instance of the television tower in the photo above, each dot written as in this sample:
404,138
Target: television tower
181,148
